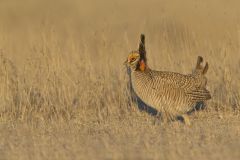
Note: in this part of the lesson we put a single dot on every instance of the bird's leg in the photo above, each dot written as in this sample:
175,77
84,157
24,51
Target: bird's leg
157,118
167,117
161,116
185,119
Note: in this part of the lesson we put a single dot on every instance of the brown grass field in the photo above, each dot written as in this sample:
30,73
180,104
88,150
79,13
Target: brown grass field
63,85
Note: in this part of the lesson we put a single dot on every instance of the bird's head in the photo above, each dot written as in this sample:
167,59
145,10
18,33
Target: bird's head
134,61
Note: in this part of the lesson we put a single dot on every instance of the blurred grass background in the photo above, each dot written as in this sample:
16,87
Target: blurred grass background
63,86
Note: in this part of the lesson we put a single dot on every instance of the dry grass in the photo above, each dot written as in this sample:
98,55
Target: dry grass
63,88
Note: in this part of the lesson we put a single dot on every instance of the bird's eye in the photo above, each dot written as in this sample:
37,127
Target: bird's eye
132,59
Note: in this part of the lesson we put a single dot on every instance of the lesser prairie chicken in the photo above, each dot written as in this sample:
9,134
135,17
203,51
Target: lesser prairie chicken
172,94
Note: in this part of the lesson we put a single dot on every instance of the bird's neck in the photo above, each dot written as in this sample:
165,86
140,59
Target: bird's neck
142,66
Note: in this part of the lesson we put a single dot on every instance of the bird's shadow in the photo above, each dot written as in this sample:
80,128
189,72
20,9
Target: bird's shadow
146,108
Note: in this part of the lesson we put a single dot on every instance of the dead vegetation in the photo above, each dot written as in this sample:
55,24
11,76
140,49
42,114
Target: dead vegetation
63,92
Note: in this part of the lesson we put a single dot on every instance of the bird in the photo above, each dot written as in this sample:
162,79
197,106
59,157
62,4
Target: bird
200,71
172,94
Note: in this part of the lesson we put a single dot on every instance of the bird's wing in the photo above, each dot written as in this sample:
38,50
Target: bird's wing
181,83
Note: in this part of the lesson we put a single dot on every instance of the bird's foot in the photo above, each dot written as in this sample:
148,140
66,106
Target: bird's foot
185,119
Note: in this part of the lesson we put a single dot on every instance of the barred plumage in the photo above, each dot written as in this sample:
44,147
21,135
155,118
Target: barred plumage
173,94
167,91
